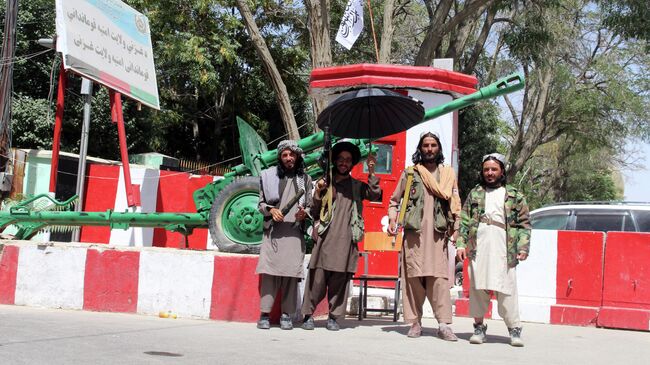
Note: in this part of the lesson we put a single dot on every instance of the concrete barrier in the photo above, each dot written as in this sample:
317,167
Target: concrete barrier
561,281
584,279
145,280
626,285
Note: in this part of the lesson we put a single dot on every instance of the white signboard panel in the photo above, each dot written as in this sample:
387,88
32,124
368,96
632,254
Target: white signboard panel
109,42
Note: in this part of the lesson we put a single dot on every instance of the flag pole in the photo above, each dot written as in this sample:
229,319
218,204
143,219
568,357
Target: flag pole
374,36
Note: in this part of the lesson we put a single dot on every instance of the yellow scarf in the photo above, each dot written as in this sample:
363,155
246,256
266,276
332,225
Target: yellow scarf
446,189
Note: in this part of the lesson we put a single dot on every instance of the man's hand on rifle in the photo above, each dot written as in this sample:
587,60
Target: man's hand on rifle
461,254
277,215
392,227
301,214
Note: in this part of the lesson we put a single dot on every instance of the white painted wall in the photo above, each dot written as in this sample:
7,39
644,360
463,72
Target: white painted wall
537,277
50,276
148,181
443,125
177,281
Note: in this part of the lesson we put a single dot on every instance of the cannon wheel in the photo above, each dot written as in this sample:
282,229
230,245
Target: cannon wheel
235,223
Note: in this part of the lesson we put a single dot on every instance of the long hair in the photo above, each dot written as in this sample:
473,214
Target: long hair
417,156
502,180
298,170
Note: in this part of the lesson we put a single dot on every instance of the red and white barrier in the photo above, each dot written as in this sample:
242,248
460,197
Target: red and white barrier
584,279
626,289
192,284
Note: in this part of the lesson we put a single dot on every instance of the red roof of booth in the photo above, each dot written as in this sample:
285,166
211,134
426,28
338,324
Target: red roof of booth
339,78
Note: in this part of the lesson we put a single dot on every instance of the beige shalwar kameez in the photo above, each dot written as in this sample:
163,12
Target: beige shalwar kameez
425,261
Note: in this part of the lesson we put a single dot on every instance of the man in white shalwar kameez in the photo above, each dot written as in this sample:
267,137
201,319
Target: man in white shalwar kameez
495,235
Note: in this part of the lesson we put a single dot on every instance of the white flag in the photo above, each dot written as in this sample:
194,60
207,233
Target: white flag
351,24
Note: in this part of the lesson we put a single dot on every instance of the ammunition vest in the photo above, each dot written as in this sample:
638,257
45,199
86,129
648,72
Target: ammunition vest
443,217
356,218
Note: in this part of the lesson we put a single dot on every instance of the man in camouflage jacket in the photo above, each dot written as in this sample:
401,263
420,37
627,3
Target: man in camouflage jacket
517,223
495,236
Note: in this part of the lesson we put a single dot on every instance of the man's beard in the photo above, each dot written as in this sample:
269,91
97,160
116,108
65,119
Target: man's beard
430,158
495,184
338,172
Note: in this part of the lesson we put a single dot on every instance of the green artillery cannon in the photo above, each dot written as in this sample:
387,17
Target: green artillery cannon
228,207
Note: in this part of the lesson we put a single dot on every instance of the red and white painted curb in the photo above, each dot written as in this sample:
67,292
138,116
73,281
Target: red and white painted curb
192,284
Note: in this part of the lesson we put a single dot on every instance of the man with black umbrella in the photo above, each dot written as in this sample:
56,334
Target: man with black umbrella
335,254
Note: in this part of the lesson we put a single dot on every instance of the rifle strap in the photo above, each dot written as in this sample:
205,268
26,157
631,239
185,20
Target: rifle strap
407,193
326,207
402,210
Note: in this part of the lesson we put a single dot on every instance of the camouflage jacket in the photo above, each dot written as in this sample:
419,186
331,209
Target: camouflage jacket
517,223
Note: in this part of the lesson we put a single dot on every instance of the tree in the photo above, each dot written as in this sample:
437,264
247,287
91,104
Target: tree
318,24
569,170
582,80
628,18
478,131
280,89
442,22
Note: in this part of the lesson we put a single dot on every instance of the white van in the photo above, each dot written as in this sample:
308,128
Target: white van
593,216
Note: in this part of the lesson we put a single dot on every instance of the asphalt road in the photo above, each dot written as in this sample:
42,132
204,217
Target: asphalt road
51,336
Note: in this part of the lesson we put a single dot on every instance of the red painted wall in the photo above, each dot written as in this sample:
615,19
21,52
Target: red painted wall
235,294
175,195
382,263
111,281
101,189
8,271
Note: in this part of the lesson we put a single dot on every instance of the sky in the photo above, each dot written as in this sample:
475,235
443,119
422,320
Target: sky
636,182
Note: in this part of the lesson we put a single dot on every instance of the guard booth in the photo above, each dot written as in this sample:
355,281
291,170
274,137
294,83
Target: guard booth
433,86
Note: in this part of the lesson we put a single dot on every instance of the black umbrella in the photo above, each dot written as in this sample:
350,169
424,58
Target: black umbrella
371,113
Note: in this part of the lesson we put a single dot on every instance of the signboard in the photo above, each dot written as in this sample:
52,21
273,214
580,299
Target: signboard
108,42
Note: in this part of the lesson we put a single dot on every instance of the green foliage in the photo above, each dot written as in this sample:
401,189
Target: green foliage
567,170
629,18
478,135
528,37
35,20
30,128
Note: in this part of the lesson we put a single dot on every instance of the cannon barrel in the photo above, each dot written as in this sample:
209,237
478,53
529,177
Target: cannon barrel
503,86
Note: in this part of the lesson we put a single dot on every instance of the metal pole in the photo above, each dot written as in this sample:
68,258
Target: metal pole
6,83
87,91
132,191
58,122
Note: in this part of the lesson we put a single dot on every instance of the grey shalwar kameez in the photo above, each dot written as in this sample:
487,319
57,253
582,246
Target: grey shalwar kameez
282,252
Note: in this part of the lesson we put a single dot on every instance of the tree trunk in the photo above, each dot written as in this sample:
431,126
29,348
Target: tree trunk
480,41
533,116
387,32
281,94
318,23
433,37
459,39
438,28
